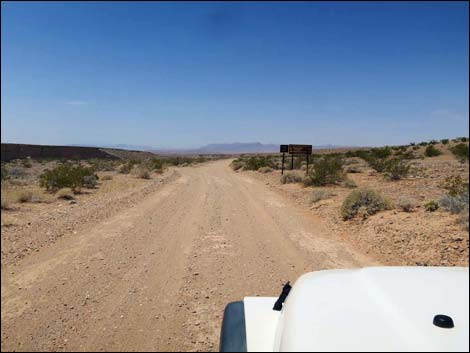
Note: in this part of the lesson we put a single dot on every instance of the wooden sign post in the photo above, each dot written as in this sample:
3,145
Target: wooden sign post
283,150
296,150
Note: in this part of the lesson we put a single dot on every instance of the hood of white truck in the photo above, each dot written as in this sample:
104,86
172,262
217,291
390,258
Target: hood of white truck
377,309
371,309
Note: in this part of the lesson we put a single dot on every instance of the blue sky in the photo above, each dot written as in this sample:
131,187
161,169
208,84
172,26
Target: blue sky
187,74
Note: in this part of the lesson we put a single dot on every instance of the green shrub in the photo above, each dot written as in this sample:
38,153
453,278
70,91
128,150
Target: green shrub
256,162
363,202
156,164
433,142
431,206
104,165
460,151
326,170
463,139
455,203
455,185
396,169
423,143
65,175
432,151
445,141
26,163
5,173
291,178
237,164
90,181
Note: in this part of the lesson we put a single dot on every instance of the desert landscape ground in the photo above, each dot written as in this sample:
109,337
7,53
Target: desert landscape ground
144,251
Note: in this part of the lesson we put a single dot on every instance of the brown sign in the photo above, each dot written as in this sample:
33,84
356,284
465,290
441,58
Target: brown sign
284,148
300,149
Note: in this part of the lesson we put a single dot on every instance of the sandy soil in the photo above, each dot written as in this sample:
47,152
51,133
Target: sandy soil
155,269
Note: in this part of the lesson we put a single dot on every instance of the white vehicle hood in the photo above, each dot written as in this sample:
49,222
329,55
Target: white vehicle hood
371,309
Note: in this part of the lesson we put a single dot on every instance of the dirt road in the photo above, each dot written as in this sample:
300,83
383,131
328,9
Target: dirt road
157,275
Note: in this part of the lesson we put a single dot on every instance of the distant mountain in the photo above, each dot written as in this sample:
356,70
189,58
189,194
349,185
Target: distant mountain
224,148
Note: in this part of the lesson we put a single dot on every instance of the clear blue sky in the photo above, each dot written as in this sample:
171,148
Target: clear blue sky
187,74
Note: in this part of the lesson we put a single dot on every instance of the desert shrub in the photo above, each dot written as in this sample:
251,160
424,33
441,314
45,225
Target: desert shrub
125,168
26,163
431,206
65,175
378,164
156,164
412,144
107,177
142,172
415,148
406,204
460,151
24,196
65,193
363,202
455,185
90,181
265,170
424,143
381,153
463,139
237,164
432,151
256,162
433,142
16,172
326,170
5,173
445,141
396,169
104,165
5,204
349,183
455,204
318,195
289,178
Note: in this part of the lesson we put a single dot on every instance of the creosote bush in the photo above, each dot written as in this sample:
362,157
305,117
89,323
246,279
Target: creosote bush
431,206
327,170
396,168
265,170
364,202
65,175
432,151
460,151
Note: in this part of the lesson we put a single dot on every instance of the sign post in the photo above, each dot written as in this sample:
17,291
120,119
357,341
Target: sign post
283,149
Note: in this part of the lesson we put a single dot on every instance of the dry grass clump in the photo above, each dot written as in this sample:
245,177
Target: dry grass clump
5,204
265,170
142,172
107,177
406,204
65,194
289,178
318,195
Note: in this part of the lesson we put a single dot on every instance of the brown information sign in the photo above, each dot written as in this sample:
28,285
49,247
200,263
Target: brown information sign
284,148
300,149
